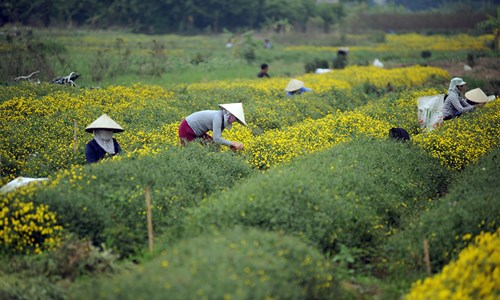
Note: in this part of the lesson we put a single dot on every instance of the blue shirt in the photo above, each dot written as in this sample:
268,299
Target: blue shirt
299,91
94,152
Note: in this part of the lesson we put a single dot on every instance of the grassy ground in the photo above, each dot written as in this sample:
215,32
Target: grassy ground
119,58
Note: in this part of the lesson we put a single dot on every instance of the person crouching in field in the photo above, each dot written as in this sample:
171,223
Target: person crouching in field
454,103
296,87
196,125
103,145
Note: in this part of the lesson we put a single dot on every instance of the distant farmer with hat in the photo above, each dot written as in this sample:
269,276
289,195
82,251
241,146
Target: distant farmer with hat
103,145
198,124
454,103
296,87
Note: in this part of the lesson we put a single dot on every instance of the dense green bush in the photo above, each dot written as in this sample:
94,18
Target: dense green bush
33,288
316,63
471,206
354,195
234,264
106,201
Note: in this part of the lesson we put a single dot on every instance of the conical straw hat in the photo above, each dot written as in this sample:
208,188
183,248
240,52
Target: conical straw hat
104,122
477,96
236,109
294,85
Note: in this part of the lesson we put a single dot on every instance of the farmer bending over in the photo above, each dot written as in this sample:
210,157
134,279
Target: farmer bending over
198,124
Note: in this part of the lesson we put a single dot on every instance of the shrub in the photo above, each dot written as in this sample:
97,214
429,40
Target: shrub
311,66
473,275
353,194
105,201
33,288
21,278
470,207
234,264
26,227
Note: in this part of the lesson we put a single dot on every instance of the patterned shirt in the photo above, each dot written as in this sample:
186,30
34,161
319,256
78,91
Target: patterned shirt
455,105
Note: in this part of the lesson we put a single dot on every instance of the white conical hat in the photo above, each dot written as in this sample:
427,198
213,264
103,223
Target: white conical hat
294,85
477,96
104,122
236,109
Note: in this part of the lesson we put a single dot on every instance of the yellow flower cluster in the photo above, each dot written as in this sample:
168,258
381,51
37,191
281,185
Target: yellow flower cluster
414,42
277,146
39,132
343,79
474,275
26,227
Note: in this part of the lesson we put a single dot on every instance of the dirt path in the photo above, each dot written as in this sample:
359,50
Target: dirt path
486,69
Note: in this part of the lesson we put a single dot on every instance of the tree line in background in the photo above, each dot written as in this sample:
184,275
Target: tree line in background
195,16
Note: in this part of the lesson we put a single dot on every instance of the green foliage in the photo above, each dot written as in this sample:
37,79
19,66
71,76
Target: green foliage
32,288
107,203
471,206
492,24
354,195
239,264
311,66
331,14
249,47
23,53
21,278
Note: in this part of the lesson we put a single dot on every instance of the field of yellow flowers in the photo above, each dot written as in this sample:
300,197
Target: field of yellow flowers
42,132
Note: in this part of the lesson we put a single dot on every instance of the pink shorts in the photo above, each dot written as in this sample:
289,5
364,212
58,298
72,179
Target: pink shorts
186,134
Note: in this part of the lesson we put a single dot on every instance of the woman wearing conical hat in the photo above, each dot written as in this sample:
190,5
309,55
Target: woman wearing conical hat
455,104
296,87
198,124
103,145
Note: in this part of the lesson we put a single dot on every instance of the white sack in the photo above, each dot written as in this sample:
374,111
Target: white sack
430,111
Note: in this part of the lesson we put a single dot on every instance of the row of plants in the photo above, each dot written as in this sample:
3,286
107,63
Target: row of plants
355,194
469,208
106,202
413,41
473,275
353,205
274,147
147,112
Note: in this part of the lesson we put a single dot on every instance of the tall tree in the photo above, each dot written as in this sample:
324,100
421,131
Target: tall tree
330,14
493,24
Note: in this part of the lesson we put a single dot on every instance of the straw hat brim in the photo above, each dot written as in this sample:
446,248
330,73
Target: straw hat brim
236,109
477,96
294,85
104,122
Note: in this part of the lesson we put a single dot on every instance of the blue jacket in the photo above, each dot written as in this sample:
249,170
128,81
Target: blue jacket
94,152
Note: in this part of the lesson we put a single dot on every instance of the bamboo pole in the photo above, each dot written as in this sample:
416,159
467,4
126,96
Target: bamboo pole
75,127
149,219
427,259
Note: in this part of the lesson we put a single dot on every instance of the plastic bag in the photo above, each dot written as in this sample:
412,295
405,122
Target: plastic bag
19,182
430,111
